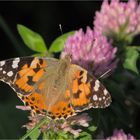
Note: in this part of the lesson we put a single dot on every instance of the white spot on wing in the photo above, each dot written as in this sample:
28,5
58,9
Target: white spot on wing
2,63
0,69
4,72
96,106
95,98
10,73
97,85
17,59
105,92
15,63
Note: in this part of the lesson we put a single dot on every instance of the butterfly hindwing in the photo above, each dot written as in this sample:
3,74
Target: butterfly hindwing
61,110
35,102
88,92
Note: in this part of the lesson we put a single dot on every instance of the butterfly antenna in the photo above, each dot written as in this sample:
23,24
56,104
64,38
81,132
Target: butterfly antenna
60,26
104,74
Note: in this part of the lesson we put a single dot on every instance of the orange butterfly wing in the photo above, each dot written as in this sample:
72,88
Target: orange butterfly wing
88,92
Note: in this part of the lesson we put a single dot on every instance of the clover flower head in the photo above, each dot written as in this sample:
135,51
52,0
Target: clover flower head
120,135
59,125
91,50
122,18
79,120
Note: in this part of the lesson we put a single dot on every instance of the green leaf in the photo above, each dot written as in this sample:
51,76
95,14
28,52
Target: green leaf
136,47
84,136
64,135
49,134
43,55
58,43
32,39
45,136
92,128
35,135
39,55
131,56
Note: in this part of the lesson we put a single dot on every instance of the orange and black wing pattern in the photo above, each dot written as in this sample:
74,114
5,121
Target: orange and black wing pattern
88,92
22,73
24,76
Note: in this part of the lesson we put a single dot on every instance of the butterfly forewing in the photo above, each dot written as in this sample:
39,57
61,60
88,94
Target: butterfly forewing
22,73
24,76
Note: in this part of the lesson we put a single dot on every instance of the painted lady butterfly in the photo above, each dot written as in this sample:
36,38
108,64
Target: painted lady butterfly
53,87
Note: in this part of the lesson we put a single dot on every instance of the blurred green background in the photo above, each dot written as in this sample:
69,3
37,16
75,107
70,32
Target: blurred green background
43,18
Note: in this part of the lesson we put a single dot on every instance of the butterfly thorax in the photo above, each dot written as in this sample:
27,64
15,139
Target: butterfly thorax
58,80
63,66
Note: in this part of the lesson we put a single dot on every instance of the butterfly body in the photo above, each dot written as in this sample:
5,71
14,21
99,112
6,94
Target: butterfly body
53,87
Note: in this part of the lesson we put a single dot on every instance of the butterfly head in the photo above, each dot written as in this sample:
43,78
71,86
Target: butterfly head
67,58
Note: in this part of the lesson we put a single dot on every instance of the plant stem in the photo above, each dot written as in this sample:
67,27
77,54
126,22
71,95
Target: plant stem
32,130
134,101
11,36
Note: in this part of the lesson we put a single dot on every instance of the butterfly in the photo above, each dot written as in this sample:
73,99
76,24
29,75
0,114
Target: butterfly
53,87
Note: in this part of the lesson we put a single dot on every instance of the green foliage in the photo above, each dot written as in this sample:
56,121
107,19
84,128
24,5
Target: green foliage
58,44
50,134
32,39
84,136
36,133
92,128
131,56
